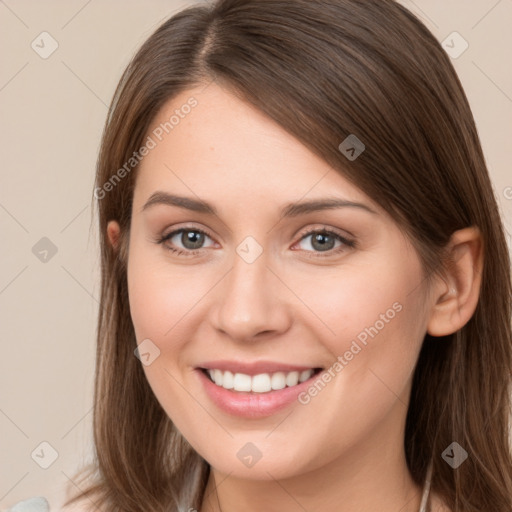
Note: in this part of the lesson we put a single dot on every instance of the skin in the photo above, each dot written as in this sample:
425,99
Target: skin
344,449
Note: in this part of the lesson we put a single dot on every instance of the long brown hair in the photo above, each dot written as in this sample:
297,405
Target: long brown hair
322,69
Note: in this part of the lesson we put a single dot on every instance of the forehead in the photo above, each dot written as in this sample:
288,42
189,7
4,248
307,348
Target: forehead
208,142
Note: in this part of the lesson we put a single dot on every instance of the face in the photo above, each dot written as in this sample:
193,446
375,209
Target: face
239,279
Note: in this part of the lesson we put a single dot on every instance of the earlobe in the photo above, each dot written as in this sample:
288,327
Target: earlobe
113,233
456,295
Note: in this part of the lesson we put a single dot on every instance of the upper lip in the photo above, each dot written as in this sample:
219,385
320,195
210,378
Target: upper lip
255,367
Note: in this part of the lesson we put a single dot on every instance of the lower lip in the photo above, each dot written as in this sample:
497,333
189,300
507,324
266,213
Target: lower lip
253,405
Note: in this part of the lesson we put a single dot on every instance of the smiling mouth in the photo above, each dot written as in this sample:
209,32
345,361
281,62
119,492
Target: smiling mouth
261,383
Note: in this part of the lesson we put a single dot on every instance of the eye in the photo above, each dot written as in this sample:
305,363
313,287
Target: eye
190,241
187,241
324,240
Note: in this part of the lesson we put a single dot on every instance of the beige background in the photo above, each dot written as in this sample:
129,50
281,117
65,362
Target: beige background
52,113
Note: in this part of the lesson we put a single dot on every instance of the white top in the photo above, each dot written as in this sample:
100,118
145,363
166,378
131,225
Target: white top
39,504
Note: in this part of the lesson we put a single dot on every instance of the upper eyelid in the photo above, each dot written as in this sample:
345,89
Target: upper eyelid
304,232
187,228
325,229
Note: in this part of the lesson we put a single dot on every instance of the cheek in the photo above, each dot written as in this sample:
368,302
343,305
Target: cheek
161,295
161,299
372,315
372,323
349,300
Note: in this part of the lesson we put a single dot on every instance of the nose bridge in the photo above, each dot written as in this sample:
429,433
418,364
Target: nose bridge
248,303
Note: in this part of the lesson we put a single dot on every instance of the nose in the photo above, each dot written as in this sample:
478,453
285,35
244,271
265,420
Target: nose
251,302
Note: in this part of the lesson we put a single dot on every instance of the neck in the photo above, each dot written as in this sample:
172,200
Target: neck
387,494
370,477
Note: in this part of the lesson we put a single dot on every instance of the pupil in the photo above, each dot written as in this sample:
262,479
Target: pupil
193,237
323,241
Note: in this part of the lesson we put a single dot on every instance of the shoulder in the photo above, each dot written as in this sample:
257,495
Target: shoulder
35,504
42,504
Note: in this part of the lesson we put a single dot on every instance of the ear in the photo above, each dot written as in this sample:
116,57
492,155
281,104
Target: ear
113,233
455,295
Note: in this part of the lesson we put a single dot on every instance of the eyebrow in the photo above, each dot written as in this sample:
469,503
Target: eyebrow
189,203
290,210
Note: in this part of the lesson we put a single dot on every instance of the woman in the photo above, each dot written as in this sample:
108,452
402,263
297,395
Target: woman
306,295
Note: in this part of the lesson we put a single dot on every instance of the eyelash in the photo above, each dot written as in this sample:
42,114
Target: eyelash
313,254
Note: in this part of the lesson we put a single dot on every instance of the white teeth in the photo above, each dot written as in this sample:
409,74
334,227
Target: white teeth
228,380
261,383
292,379
305,375
242,382
278,380
217,377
